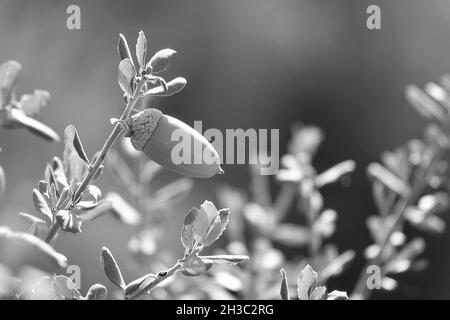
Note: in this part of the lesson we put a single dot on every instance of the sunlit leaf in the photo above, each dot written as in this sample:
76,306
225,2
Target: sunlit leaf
141,50
337,295
306,283
126,76
203,226
68,221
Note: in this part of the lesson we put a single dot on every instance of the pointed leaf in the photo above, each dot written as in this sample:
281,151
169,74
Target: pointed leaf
123,48
141,50
218,227
111,268
75,160
306,283
284,289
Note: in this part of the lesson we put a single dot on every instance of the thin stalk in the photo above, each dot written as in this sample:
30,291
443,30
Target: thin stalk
361,290
94,167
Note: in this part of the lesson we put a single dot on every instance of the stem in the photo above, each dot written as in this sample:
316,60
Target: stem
361,290
160,278
93,168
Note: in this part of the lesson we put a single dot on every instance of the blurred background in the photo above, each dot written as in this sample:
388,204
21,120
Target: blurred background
249,64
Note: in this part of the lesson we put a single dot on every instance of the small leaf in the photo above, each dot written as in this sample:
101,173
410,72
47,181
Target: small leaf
319,293
141,50
203,226
380,173
160,61
9,72
424,104
94,192
96,292
284,289
41,205
57,168
68,221
306,283
124,49
335,173
122,210
172,87
126,76
64,198
193,266
75,160
218,227
111,268
43,186
18,249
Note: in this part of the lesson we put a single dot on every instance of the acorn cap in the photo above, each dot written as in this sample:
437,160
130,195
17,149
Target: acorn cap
143,124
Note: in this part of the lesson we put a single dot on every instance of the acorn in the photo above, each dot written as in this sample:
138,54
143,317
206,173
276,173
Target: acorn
173,144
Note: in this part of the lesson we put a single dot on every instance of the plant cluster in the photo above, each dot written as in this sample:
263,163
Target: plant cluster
287,231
